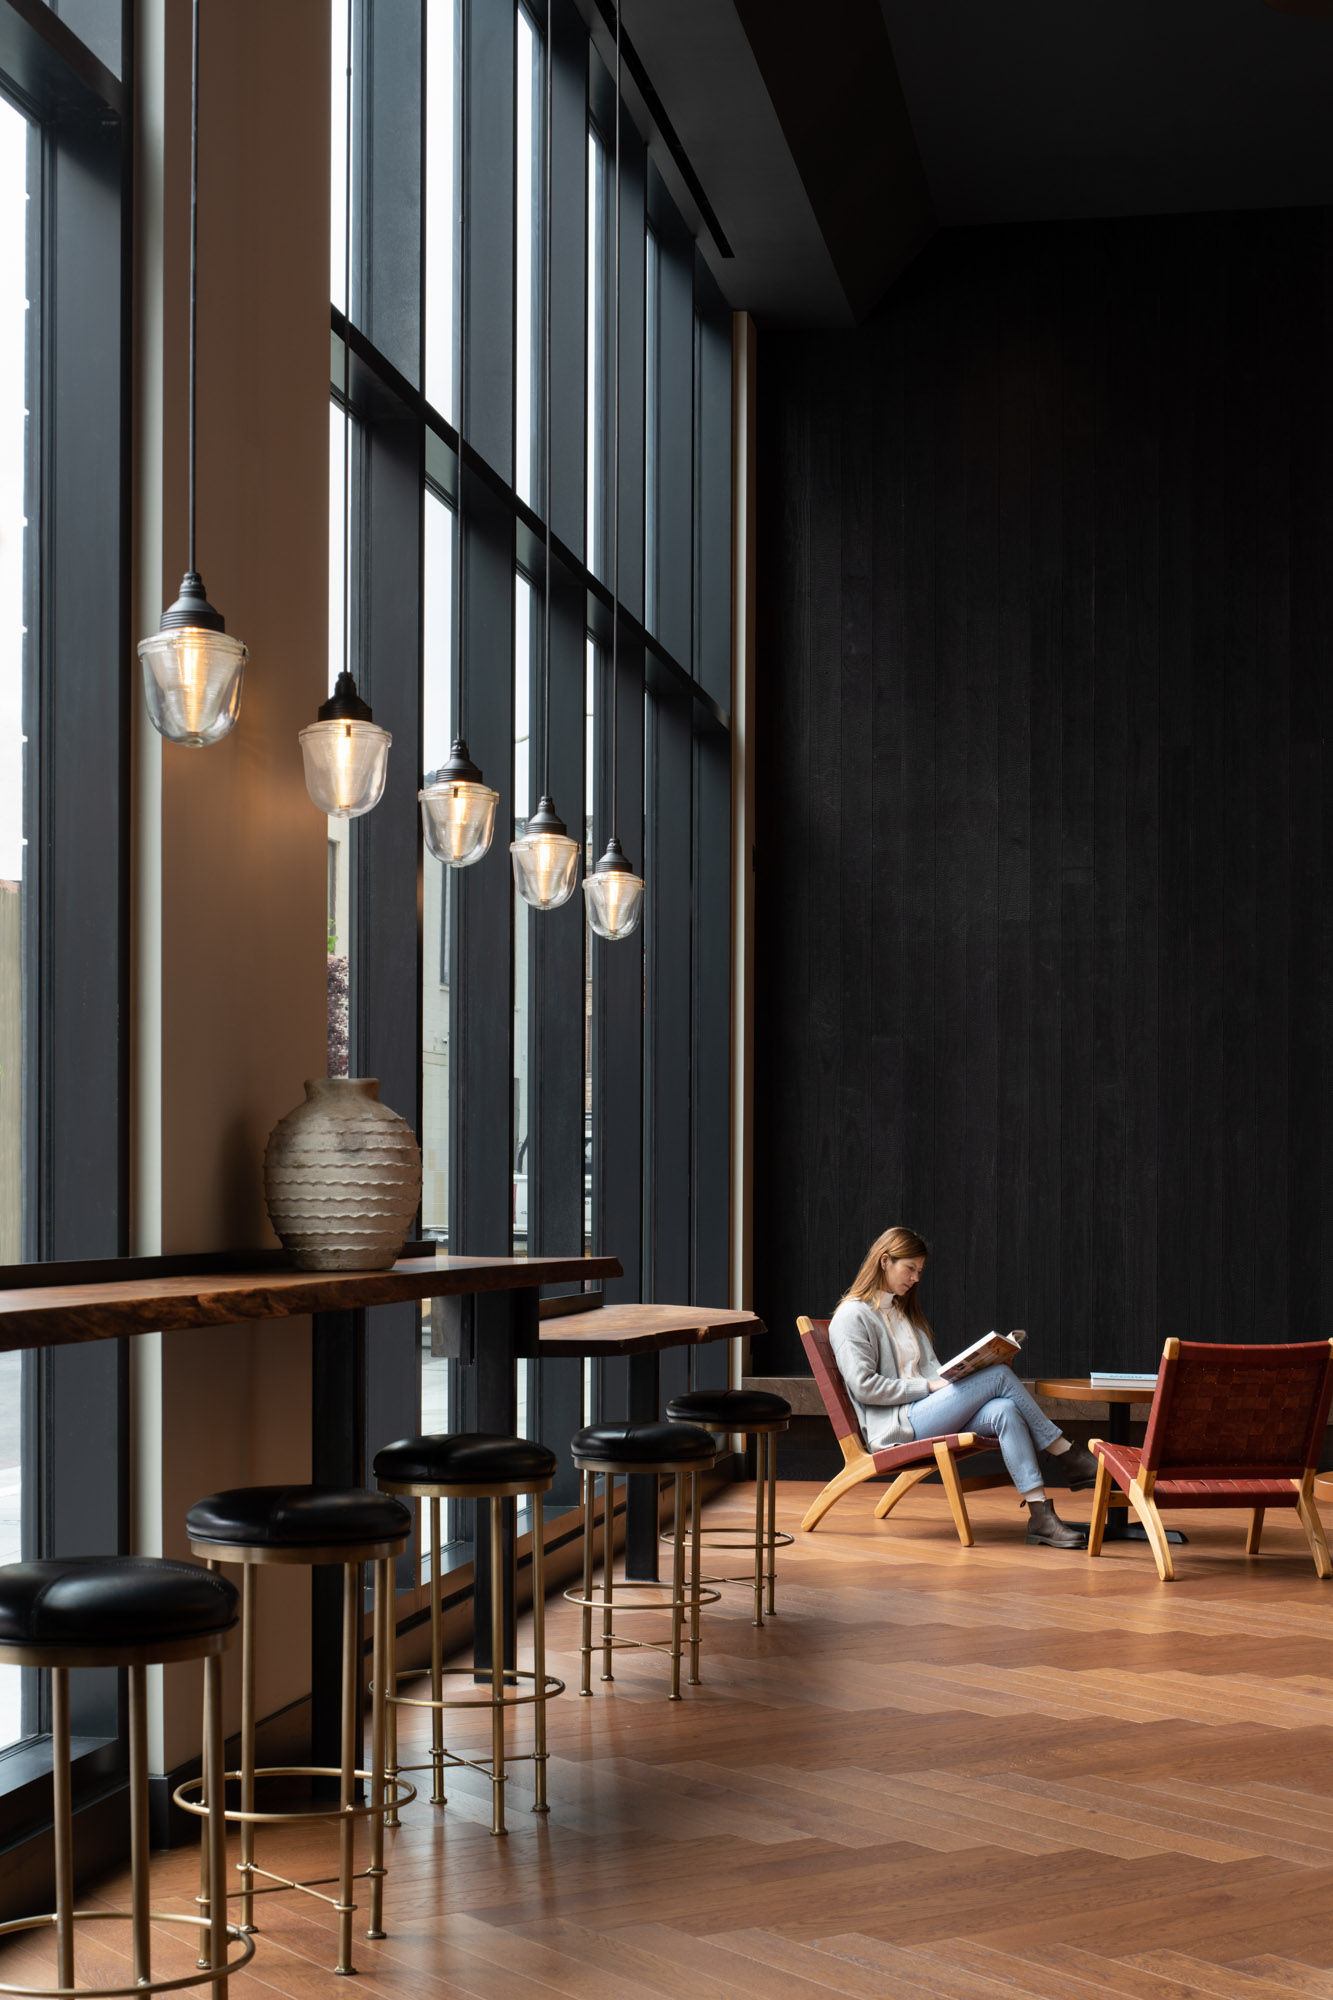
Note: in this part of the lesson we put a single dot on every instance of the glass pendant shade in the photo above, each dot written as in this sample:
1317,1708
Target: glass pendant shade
458,811
346,764
192,683
546,860
613,894
192,671
346,754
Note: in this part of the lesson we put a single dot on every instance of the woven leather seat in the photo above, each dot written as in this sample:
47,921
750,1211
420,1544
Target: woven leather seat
666,1445
111,1601
735,1408
298,1517
469,1458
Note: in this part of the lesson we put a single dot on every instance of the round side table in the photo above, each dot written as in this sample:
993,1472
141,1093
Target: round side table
1079,1389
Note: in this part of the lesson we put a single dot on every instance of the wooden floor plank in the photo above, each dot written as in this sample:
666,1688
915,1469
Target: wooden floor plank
936,1774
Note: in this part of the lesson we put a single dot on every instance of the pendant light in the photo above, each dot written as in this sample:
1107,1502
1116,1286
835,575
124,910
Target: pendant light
546,859
457,807
613,893
191,668
346,752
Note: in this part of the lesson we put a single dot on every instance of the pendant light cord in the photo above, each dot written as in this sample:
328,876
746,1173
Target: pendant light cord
546,394
194,262
461,95
347,361
615,484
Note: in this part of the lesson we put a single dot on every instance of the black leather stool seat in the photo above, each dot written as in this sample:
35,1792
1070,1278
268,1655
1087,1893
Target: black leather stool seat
298,1517
646,1444
732,1407
111,1601
465,1458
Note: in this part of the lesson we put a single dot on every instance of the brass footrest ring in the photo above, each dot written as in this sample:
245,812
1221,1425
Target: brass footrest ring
779,1541
554,1687
403,1796
641,1583
200,1976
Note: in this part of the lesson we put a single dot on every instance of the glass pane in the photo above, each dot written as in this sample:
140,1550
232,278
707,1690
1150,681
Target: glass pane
523,623
529,173
437,880
15,766
441,181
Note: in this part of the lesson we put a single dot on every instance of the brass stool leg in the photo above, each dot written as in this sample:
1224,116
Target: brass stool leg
384,1611
216,1831
760,1461
137,1690
772,1516
436,1662
351,1704
539,1653
247,1861
202,1898
588,1481
608,1564
696,1495
677,1585
63,1827
497,1667
391,1713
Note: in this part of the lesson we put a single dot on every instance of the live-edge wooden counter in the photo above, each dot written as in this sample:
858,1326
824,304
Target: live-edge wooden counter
54,1305
38,1313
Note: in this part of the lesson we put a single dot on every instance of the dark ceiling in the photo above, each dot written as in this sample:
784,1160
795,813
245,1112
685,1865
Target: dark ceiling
831,142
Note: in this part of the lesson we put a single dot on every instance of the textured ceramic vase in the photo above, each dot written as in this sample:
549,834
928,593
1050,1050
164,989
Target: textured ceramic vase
342,1177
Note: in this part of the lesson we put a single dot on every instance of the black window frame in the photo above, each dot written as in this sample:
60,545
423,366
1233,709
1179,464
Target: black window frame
78,691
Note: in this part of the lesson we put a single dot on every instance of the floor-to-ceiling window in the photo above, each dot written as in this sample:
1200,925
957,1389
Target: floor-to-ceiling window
539,1046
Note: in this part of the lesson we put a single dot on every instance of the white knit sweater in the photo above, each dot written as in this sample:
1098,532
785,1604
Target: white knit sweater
886,1364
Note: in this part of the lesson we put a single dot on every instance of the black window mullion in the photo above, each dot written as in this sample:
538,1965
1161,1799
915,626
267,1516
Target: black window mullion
710,1052
481,1035
555,1015
387,303
633,192
668,945
488,235
569,280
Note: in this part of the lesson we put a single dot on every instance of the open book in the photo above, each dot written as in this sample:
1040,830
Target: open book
984,1353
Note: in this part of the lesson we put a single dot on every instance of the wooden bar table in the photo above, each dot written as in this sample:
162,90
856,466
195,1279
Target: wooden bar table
53,1305
641,1332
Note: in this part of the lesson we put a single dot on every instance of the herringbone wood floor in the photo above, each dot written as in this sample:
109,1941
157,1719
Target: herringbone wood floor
937,1775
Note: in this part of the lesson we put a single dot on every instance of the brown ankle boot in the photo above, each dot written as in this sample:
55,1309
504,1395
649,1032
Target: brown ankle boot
1045,1525
1075,1468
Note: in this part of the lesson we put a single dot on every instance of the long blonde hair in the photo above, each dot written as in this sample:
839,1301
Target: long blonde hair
868,1284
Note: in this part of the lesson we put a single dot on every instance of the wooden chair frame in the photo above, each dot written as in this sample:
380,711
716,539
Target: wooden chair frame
1141,1489
860,1464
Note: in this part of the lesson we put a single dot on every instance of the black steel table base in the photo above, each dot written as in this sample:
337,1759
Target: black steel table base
1118,1527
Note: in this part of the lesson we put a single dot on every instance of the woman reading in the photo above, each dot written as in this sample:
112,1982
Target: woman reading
882,1342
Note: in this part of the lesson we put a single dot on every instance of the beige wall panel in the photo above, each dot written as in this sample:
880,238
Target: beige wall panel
243,868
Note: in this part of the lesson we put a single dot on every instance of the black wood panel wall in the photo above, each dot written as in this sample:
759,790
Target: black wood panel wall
1046,582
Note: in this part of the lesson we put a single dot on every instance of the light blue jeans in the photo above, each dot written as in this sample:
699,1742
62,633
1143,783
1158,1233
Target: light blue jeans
992,1403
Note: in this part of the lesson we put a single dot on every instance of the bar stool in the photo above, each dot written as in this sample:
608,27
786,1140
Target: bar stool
611,1449
132,1612
307,1525
476,1465
759,1415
